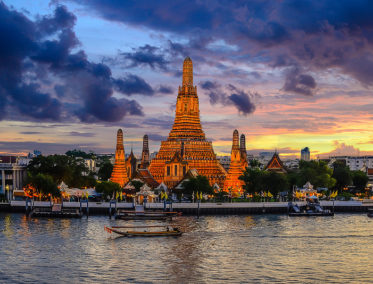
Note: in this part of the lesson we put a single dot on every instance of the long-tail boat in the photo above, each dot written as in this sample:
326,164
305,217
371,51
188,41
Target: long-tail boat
145,215
129,232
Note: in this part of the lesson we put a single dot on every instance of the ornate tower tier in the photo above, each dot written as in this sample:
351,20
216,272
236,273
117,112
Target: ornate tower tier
186,147
119,174
236,167
145,153
187,124
243,147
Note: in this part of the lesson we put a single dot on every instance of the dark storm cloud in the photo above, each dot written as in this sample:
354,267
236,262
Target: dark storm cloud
163,89
209,85
299,83
132,84
243,101
146,55
34,54
314,34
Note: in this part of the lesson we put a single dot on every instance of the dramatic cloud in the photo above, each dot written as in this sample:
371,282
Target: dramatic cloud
163,89
299,83
132,84
317,35
343,149
35,55
242,100
146,55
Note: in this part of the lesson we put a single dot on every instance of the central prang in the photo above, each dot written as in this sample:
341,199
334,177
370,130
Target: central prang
186,147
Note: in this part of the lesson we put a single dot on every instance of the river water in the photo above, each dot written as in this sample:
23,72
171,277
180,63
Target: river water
256,249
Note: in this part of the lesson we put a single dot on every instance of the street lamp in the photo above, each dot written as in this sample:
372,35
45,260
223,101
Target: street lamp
7,189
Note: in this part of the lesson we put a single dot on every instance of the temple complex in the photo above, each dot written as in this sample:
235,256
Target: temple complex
145,153
237,166
119,174
186,146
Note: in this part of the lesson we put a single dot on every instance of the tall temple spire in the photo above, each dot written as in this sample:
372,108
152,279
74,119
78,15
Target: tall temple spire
187,124
186,147
243,147
235,154
119,174
145,153
232,182
188,72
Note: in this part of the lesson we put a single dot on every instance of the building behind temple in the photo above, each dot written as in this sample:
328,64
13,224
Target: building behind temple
305,154
12,174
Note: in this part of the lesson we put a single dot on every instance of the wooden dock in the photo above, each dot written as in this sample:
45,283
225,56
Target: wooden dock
56,211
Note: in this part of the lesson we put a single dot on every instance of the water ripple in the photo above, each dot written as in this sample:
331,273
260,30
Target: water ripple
234,249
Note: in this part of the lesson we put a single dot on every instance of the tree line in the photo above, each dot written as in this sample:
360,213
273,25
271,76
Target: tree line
257,180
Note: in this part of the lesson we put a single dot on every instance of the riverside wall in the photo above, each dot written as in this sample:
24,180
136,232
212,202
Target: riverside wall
236,208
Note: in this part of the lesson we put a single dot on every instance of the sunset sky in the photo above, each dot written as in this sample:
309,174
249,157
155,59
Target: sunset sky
287,74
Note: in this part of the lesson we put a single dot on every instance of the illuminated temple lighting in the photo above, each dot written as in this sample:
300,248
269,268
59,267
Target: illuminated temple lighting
119,174
186,146
237,166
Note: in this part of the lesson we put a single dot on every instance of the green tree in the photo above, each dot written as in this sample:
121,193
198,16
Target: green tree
359,180
255,164
316,172
106,168
197,184
108,188
342,175
79,153
253,179
44,184
274,182
72,171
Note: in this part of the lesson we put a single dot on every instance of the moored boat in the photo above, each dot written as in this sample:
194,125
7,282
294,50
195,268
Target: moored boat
370,212
129,232
55,211
312,208
145,215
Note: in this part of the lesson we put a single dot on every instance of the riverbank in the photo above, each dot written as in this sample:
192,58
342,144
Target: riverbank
102,208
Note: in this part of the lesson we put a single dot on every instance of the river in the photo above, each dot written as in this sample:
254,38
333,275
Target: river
256,249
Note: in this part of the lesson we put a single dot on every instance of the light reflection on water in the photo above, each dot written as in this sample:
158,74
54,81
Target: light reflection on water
266,248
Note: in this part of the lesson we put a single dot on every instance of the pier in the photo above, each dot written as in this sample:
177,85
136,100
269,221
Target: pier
236,208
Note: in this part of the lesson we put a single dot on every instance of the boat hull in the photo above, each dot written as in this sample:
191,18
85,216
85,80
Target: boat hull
47,213
148,234
141,217
304,214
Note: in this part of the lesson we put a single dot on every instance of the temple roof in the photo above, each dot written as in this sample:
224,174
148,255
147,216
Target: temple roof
275,164
146,177
131,157
176,159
